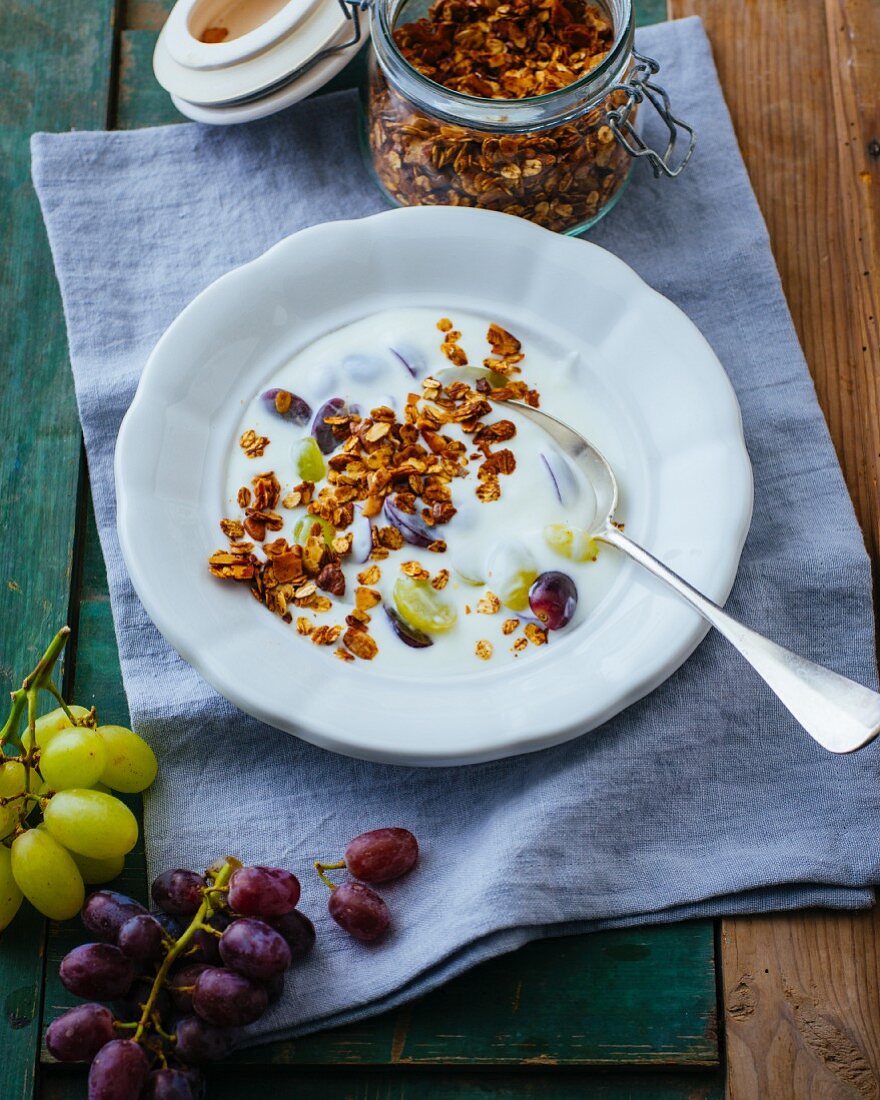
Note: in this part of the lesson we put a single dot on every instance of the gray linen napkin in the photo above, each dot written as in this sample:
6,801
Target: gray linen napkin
704,798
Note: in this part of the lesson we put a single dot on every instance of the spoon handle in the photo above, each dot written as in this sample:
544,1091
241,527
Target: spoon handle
839,713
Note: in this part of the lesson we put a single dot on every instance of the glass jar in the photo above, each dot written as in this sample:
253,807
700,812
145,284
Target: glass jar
560,159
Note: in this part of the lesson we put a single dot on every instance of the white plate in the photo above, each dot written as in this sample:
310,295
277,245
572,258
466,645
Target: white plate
671,427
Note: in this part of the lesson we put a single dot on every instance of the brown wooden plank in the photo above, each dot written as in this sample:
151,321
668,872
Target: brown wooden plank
802,81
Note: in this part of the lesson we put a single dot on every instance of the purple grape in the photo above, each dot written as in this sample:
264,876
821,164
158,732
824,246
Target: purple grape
168,1084
412,527
553,598
254,949
142,938
173,927
181,985
359,911
196,1083
287,405
408,366
119,1071
322,432
200,1042
203,947
97,972
178,892
274,988
381,854
79,1034
408,634
227,999
263,891
105,912
298,930
131,1007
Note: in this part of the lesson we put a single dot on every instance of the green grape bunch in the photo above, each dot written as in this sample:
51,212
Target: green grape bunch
60,825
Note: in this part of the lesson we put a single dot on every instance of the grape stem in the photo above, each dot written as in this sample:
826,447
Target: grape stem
198,922
322,867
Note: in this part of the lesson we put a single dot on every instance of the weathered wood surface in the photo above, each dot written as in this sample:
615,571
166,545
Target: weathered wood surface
53,73
802,991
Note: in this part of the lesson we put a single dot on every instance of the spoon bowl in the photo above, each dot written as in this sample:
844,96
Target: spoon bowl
839,713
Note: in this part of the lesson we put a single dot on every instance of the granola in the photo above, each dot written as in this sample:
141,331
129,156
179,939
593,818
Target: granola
366,544
561,176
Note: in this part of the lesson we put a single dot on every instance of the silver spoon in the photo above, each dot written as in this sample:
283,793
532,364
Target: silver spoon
839,713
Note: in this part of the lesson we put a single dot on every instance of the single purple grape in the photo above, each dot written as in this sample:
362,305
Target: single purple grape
174,928
178,892
97,972
119,1071
142,938
274,988
203,947
130,1008
198,1041
381,854
105,912
254,949
227,999
79,1034
408,361
413,528
359,911
298,930
408,634
181,985
197,1082
322,431
168,1084
553,598
287,405
263,891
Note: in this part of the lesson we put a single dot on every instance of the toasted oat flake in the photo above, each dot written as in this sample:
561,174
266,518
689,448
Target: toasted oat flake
444,324
360,643
371,575
509,626
440,580
253,445
484,649
306,590
489,604
304,625
342,654
326,635
535,634
519,645
415,570
232,528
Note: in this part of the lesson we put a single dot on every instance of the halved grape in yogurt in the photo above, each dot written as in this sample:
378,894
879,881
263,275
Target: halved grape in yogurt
571,542
308,460
287,405
511,570
423,607
303,528
321,430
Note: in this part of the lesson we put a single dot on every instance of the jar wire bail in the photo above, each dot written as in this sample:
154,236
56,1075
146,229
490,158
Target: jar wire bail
639,87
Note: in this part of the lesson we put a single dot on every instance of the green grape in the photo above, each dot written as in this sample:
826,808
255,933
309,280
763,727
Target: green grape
304,525
97,871
91,823
422,606
12,778
48,725
307,458
46,874
73,758
8,818
11,896
512,571
571,542
131,764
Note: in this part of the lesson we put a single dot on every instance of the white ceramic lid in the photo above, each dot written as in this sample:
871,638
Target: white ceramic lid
256,63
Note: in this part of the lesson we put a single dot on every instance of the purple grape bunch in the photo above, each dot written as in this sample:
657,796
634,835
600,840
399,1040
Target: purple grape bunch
379,855
180,981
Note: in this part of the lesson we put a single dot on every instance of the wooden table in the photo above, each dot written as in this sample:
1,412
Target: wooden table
624,1014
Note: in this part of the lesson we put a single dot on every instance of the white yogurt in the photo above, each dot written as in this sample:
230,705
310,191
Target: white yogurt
365,363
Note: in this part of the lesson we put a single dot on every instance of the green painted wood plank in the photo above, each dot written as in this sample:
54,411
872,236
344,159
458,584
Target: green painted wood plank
140,98
54,70
638,996
407,1084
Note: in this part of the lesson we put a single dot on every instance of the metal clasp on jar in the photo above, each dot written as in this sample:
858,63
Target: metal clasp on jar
638,87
